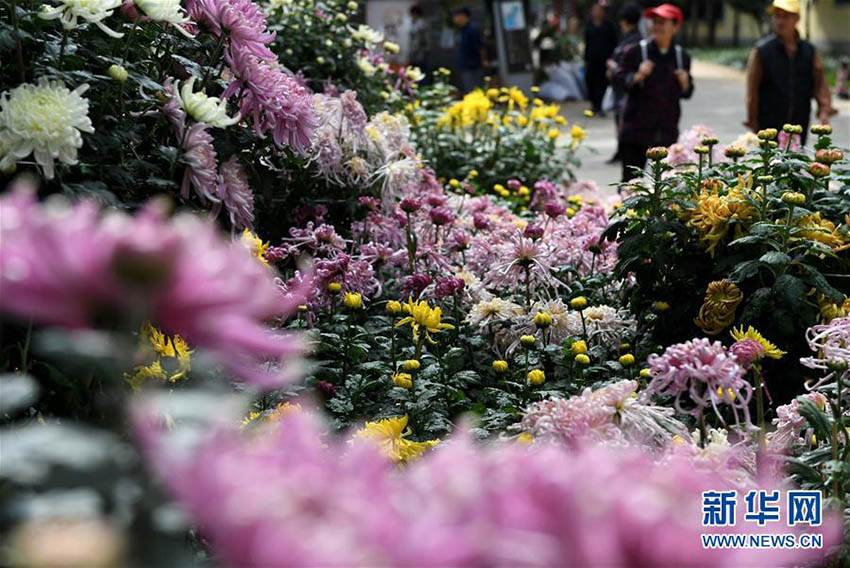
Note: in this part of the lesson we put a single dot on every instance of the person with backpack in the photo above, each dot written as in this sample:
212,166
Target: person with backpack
784,73
655,75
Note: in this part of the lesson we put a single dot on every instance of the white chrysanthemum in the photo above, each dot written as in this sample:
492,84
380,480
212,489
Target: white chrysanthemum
92,11
168,11
492,311
44,120
604,324
367,34
209,110
414,74
366,66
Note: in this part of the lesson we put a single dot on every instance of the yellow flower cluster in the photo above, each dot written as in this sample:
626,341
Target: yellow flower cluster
171,357
390,436
473,109
421,315
273,415
718,310
714,213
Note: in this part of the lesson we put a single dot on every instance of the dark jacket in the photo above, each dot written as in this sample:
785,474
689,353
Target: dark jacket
652,111
787,85
599,42
469,47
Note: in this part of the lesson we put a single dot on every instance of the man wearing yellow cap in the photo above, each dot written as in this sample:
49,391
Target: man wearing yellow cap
784,73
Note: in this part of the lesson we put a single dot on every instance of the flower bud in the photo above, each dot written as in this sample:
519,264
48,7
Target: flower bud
701,150
764,179
828,157
542,320
818,170
660,306
352,301
588,113
582,359
334,287
735,151
627,360
767,134
645,373
579,347
578,303
302,308
117,73
709,141
657,153
792,128
412,365
793,198
533,231
500,366
410,204
403,380
393,307
536,377
821,129
527,340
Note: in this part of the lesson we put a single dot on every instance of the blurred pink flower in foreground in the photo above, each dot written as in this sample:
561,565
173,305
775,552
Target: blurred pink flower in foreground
284,496
77,266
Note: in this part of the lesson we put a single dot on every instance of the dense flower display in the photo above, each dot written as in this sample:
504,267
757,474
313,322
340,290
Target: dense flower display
270,296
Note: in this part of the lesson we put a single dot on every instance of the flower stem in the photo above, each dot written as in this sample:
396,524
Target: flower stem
760,406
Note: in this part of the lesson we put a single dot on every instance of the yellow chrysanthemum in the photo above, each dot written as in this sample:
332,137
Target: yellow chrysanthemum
516,97
718,310
714,213
390,436
577,132
256,245
770,350
473,109
421,315
830,311
816,228
273,415
173,352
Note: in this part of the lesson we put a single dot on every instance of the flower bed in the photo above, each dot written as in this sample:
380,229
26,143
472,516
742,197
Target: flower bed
388,326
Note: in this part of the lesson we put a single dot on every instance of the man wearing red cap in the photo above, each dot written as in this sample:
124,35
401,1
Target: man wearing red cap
655,75
784,73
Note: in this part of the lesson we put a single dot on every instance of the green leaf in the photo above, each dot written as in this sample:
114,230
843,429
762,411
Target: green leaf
775,258
816,418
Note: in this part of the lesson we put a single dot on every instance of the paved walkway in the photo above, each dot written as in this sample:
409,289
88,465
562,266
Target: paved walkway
718,102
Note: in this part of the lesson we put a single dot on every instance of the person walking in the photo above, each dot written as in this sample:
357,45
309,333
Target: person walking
784,73
655,76
470,51
630,35
600,39
419,44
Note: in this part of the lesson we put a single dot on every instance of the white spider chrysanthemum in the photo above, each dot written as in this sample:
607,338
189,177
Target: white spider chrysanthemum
494,310
44,120
92,11
168,11
209,110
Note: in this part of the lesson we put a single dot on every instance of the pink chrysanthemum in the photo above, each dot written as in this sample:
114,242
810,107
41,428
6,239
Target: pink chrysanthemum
236,195
703,374
201,164
76,267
